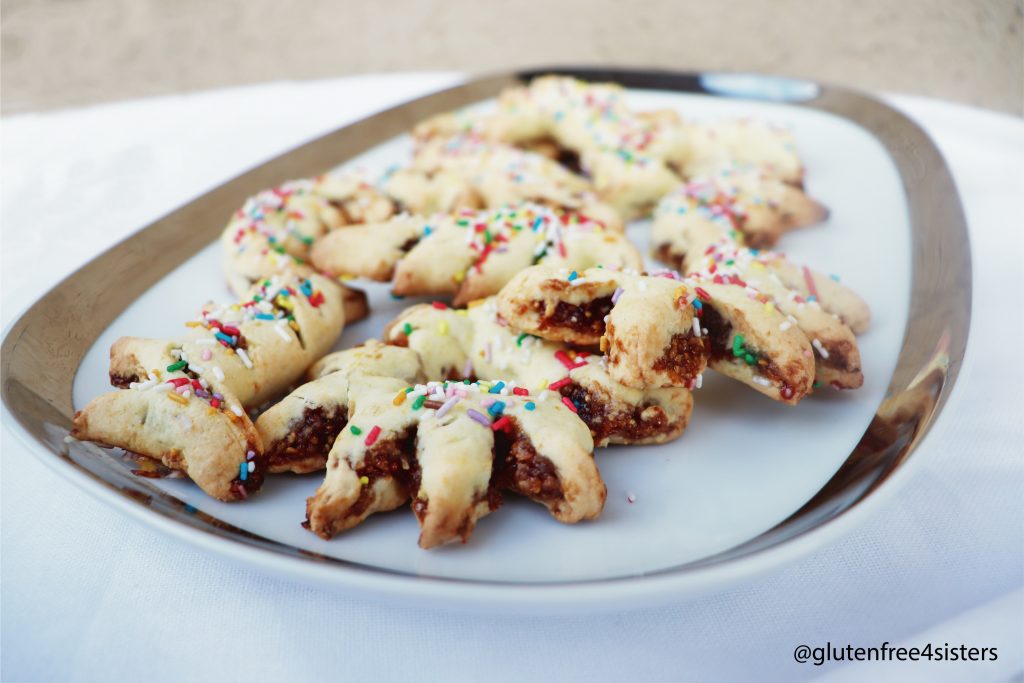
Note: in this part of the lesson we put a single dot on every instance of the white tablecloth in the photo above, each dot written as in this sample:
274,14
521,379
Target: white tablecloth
90,595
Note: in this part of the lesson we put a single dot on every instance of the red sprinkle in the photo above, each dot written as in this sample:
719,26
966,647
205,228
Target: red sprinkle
569,404
501,423
439,305
178,381
564,359
809,279
702,293
555,386
316,299
371,438
519,391
196,385
230,330
215,403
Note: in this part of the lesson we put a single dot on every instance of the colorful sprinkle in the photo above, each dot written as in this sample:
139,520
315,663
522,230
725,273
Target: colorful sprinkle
371,438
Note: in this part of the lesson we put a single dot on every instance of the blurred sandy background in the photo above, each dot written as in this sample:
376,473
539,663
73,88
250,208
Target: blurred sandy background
61,53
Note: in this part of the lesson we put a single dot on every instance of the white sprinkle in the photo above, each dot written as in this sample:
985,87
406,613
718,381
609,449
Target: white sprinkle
785,325
699,382
218,373
252,466
820,348
696,327
543,396
237,411
758,379
284,335
245,357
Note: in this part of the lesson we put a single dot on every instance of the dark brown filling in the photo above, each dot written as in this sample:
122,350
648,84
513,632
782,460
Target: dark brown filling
253,480
683,360
587,318
605,422
665,254
310,437
407,245
122,381
392,458
518,467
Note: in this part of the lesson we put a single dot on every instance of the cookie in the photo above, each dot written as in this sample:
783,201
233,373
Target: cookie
183,401
769,338
644,325
467,171
746,200
472,254
452,448
708,147
478,344
298,431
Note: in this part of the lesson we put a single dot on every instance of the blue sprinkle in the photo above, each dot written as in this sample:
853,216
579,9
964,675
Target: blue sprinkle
530,405
697,304
537,223
190,510
224,338
427,230
834,277
496,389
812,298
264,316
284,292
573,275
496,408
397,297
243,471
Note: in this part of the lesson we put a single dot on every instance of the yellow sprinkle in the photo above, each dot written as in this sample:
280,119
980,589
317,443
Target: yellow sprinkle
442,327
544,384
604,344
364,480
156,371
768,306
294,325
177,398
459,277
474,303
399,398
193,323
211,410
679,293
284,303
462,312
346,277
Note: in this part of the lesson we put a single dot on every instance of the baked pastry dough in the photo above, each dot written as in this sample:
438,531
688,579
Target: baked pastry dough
758,331
645,325
626,155
472,254
183,401
452,448
478,343
709,147
469,172
298,431
272,233
748,201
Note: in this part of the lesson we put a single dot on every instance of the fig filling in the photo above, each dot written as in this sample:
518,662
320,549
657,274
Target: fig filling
683,359
586,318
719,333
122,381
604,421
392,458
518,467
253,480
670,258
838,356
310,437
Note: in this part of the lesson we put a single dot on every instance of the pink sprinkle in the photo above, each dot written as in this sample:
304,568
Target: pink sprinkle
616,295
207,354
461,393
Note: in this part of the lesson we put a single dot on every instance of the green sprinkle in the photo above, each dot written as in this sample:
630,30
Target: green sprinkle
749,358
355,430
408,390
520,338
418,403
407,328
306,239
174,367
737,345
816,385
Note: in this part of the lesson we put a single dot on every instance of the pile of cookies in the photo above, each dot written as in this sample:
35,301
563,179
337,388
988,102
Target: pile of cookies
547,337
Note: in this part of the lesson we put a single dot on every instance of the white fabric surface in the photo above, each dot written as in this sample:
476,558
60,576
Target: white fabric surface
90,595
